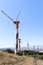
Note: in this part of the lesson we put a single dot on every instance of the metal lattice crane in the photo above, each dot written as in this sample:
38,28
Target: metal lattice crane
17,26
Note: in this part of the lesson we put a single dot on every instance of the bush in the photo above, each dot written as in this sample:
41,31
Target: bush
40,53
9,50
20,53
29,53
41,57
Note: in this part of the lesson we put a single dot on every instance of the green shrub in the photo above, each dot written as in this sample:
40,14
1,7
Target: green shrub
9,50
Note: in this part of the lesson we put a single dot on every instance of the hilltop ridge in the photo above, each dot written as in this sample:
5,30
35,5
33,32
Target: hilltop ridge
8,59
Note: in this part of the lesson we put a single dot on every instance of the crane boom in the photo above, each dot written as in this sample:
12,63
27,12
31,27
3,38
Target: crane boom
7,15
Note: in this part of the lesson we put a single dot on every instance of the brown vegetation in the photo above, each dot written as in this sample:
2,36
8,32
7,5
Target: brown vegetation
12,59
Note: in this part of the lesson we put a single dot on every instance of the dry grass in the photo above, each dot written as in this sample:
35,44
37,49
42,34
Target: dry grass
12,59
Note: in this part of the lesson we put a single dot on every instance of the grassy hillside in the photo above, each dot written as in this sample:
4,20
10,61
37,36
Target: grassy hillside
12,59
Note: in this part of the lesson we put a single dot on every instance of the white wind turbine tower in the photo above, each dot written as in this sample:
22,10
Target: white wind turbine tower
16,22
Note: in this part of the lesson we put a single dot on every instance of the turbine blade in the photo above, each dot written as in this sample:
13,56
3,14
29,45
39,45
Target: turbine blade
7,15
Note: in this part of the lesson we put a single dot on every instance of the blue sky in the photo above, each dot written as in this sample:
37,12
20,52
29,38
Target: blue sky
31,22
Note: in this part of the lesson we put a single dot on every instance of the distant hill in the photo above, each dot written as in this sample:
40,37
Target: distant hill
2,49
27,48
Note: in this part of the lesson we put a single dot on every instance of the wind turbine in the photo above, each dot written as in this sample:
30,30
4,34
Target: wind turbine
16,22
